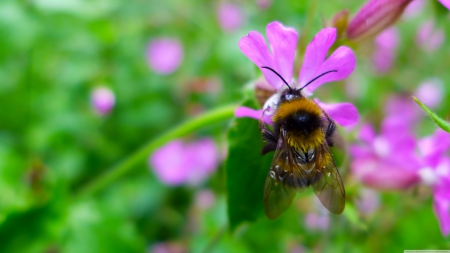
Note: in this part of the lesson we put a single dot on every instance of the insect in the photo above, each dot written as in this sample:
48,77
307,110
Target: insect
301,138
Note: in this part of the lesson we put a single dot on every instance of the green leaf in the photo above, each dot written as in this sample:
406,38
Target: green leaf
439,121
246,170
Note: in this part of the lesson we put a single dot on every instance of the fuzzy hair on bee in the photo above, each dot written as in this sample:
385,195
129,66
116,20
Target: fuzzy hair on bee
301,137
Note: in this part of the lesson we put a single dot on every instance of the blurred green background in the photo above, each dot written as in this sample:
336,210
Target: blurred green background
53,53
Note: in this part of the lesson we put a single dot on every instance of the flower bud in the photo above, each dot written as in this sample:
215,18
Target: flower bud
340,22
375,16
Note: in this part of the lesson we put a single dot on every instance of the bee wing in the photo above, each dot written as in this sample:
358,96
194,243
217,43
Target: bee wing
328,186
283,181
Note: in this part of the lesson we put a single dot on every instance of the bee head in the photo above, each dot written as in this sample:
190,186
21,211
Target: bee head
290,94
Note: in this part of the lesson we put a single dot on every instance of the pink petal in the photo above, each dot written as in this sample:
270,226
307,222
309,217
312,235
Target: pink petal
283,42
242,112
446,3
343,60
164,55
103,100
367,133
383,176
315,54
230,16
385,50
168,163
203,158
430,92
441,205
255,48
344,114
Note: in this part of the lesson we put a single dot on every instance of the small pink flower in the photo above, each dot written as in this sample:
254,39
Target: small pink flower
103,100
385,50
429,37
204,199
404,108
178,162
230,16
319,219
430,92
280,57
368,201
387,161
414,8
435,172
164,55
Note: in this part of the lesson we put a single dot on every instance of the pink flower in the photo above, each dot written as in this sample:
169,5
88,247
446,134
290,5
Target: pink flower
430,38
430,92
103,100
404,108
178,162
385,50
164,55
368,201
280,57
414,8
374,17
319,219
230,16
387,161
435,172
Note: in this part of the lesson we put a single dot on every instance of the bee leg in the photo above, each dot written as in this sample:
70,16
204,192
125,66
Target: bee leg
330,131
268,137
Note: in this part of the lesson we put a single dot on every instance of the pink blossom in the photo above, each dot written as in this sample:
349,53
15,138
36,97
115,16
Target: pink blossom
385,50
368,201
103,100
430,92
178,162
373,162
319,218
404,108
429,37
280,57
414,8
164,55
435,172
230,16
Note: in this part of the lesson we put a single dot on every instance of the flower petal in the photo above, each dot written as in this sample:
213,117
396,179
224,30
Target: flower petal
255,48
283,42
441,206
315,54
169,163
367,133
343,60
345,114
380,175
242,112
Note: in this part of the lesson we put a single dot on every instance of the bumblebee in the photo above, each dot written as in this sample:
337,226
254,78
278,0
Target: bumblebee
301,137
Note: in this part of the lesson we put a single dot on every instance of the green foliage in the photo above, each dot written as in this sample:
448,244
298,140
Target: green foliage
246,170
438,120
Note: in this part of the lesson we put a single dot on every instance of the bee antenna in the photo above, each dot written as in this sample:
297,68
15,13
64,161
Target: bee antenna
317,77
264,67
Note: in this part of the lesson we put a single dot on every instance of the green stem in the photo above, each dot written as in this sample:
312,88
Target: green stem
213,116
